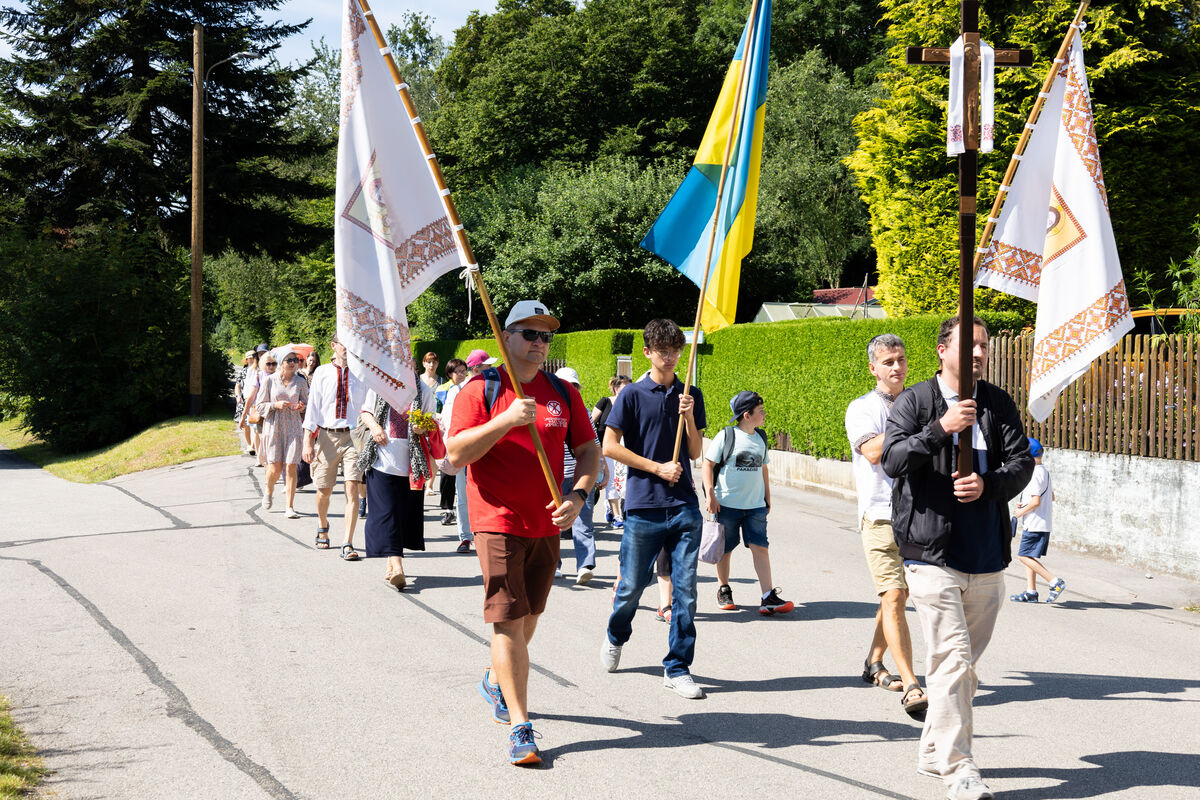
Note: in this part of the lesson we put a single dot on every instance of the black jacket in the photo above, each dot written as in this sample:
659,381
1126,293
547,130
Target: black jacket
919,455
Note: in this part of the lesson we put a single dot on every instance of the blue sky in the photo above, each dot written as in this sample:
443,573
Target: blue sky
447,15
326,15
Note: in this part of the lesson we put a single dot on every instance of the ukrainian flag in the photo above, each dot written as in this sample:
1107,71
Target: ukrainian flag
681,233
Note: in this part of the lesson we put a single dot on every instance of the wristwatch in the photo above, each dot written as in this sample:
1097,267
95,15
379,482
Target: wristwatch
582,494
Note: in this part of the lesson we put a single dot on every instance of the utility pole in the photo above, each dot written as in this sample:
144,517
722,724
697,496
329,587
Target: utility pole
197,331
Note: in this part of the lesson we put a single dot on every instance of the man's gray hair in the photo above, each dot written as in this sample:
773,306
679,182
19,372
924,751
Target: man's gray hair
886,341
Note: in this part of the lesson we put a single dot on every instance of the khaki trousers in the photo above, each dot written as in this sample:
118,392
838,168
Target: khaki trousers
958,614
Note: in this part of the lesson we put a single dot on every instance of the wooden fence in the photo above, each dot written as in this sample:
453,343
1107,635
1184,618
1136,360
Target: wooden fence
1141,398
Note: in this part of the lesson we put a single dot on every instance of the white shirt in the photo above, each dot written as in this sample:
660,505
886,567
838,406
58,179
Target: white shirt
393,456
866,418
322,400
1039,485
977,442
249,382
448,405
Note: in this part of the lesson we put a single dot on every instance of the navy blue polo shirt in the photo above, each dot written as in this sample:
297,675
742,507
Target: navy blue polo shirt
647,415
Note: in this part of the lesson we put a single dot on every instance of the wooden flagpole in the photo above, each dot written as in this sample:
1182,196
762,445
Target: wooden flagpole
1009,173
460,235
735,117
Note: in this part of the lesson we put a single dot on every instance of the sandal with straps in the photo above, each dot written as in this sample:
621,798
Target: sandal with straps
349,553
322,542
878,675
914,707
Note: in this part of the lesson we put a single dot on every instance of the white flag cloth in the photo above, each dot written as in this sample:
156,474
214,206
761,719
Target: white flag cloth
955,124
392,234
1054,242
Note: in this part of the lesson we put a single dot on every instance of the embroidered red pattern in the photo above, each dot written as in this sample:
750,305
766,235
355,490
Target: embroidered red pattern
370,324
422,249
352,73
1070,339
1013,263
1080,126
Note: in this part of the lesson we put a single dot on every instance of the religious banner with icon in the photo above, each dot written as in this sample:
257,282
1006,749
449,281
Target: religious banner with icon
1054,241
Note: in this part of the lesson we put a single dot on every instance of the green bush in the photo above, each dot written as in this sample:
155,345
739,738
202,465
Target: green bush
807,371
94,334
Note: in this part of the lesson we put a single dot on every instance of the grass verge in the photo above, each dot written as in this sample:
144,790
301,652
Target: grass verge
20,768
173,441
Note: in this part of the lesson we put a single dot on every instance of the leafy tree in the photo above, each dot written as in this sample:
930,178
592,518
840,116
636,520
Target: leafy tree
1143,58
94,334
101,97
314,108
811,223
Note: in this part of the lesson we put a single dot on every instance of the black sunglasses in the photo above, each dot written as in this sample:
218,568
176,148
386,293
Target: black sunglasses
271,364
533,336
291,360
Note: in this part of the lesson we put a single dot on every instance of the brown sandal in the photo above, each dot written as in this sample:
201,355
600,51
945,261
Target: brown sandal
914,706
877,674
397,580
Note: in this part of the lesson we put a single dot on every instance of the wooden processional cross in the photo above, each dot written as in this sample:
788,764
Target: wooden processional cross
968,165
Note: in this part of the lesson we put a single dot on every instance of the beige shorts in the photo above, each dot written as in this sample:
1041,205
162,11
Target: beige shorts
333,447
883,556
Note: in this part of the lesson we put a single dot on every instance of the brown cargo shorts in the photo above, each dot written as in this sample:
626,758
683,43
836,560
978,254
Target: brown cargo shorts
518,572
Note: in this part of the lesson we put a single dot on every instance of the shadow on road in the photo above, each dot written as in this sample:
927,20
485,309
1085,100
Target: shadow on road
1075,686
1113,773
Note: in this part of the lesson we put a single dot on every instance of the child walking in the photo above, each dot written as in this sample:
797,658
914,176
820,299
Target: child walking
1035,508
738,491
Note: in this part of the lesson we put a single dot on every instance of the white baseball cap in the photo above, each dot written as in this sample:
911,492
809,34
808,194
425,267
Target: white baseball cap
569,375
531,309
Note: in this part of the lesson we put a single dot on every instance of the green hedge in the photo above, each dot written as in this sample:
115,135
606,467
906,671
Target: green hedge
807,371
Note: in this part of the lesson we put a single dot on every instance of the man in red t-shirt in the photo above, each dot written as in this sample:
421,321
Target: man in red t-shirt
512,512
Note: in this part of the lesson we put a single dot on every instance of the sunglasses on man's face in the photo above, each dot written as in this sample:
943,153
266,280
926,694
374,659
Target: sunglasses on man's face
533,336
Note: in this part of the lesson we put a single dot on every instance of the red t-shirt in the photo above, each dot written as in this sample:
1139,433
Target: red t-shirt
506,489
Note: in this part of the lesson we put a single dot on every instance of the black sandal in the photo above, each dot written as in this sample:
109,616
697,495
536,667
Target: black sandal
914,707
322,542
878,675
349,553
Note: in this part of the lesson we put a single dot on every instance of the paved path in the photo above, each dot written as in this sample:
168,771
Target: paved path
164,638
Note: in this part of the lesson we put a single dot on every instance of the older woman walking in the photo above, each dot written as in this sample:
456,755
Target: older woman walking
241,390
281,401
397,517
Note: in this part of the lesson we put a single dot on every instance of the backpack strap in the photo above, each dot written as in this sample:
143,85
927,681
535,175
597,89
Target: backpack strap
491,388
726,451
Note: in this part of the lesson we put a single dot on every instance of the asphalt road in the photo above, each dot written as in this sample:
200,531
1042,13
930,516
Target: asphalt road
163,637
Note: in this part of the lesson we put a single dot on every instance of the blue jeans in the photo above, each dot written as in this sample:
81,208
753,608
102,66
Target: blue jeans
648,531
464,522
583,531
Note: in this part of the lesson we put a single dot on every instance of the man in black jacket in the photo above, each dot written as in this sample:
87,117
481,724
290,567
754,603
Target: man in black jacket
953,534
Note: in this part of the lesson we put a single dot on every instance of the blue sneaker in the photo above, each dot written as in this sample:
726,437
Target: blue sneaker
491,693
618,524
521,747
1056,589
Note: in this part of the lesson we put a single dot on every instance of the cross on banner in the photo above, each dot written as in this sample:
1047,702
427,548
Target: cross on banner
968,166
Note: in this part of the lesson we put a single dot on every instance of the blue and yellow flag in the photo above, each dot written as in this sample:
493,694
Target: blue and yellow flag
681,233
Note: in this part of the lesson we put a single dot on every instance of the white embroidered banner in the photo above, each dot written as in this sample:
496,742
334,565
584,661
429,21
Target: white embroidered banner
392,235
1054,242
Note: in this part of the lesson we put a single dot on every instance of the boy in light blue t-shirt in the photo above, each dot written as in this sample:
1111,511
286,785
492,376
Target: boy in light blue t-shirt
738,492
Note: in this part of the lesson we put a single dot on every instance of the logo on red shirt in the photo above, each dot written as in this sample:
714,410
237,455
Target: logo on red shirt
555,408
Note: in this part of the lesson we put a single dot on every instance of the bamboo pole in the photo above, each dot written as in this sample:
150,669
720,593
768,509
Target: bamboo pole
734,118
460,235
1030,123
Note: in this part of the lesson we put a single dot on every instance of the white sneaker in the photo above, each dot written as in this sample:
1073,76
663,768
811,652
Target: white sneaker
557,573
584,575
928,769
292,513
969,788
267,502
610,655
683,685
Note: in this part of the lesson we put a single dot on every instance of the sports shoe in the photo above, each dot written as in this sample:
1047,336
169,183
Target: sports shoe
492,694
557,573
663,614
618,523
969,788
1024,597
725,598
610,655
774,604
362,508
928,769
608,517
448,518
464,546
292,513
683,685
1056,589
522,749
583,576
268,501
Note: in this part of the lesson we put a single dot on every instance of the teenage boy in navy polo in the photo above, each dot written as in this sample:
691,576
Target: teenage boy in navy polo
661,510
